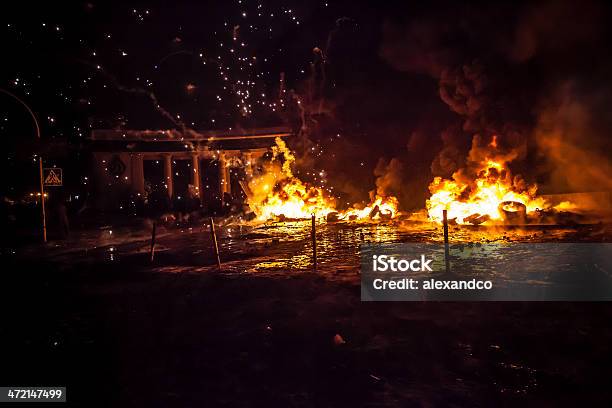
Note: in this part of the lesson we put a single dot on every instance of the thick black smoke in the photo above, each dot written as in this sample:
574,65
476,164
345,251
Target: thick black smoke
535,74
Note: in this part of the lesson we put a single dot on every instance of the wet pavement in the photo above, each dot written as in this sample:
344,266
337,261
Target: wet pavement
101,318
285,248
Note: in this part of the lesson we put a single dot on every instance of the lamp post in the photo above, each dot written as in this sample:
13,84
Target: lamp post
40,166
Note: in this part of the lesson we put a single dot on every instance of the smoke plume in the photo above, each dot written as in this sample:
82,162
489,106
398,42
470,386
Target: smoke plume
512,71
572,142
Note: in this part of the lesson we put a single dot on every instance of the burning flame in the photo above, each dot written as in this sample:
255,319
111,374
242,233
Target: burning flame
488,194
278,193
566,206
379,208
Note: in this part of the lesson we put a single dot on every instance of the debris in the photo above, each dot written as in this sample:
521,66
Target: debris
332,217
386,216
338,340
513,212
477,219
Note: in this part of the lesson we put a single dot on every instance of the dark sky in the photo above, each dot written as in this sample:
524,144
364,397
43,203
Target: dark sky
370,89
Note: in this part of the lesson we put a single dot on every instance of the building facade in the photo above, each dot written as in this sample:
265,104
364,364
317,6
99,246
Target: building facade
208,167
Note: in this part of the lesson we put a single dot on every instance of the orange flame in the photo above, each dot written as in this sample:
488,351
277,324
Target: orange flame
483,197
380,208
278,193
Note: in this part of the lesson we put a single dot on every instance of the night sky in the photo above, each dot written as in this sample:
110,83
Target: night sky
380,95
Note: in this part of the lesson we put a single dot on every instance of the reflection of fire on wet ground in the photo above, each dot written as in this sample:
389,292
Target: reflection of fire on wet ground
283,247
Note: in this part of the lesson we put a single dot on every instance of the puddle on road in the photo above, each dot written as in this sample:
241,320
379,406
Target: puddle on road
281,248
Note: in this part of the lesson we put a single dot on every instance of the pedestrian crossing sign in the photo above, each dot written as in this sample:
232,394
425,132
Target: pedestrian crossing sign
53,177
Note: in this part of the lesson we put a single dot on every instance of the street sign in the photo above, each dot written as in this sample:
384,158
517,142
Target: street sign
53,177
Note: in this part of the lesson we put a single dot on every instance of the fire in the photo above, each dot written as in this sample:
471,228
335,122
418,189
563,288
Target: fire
292,199
276,192
379,208
566,206
485,192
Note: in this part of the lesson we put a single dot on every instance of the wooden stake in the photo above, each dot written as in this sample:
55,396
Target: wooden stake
314,242
42,199
446,250
214,239
153,233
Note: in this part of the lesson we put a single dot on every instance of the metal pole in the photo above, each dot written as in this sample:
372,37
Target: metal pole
37,128
153,234
314,242
42,199
446,250
214,238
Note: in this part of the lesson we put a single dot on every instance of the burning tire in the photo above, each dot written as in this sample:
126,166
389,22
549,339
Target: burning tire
513,212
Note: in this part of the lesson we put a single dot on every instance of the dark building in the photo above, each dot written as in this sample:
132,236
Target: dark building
204,166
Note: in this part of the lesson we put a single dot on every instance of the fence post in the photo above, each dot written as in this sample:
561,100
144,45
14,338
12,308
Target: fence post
314,242
446,250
